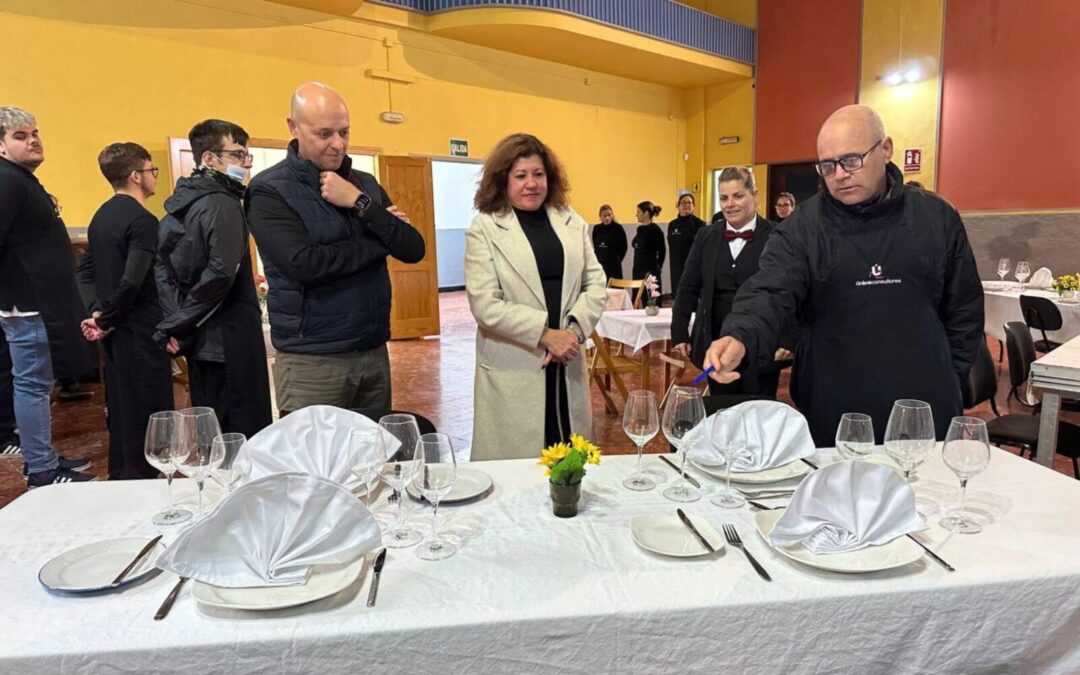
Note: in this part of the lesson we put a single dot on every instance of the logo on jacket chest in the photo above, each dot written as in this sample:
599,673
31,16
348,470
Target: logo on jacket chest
878,277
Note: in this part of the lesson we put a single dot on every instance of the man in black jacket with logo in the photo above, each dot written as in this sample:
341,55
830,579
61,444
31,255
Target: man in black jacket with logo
882,281
324,231
39,302
205,285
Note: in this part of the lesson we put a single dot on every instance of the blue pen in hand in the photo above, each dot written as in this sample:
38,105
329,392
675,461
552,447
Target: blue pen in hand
704,374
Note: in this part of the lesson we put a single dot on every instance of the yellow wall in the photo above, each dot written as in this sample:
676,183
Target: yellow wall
100,71
905,31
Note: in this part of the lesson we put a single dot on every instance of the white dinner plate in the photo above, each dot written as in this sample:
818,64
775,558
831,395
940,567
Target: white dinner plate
91,568
470,484
897,553
773,475
667,535
325,580
1069,301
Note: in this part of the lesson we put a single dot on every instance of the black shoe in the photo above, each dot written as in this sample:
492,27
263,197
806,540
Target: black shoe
73,392
10,446
68,464
56,477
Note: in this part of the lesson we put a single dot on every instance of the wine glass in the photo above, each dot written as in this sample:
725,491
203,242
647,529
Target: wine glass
1023,271
684,411
161,454
400,462
367,456
855,436
731,439
966,452
197,454
909,435
228,473
435,481
641,422
1003,268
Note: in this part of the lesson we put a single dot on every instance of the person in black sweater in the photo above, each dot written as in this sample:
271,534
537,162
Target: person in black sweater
117,285
724,255
784,206
609,243
680,237
648,243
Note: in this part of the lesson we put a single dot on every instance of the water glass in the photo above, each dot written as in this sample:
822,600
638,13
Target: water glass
1023,271
641,422
197,453
399,464
909,435
855,436
435,481
684,411
228,473
731,439
1003,269
367,456
161,453
967,452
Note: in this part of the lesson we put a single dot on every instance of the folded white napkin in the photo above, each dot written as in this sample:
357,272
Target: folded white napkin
315,440
271,531
776,434
1042,278
848,506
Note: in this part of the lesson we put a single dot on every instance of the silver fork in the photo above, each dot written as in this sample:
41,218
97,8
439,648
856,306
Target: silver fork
733,538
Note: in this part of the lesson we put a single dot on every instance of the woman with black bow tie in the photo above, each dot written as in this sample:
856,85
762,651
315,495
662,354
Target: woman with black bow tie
724,255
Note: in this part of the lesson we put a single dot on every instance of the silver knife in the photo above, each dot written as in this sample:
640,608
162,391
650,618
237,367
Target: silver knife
686,521
689,479
163,611
138,558
380,560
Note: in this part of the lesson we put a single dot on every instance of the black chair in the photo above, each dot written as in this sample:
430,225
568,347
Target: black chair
1021,352
1014,430
375,414
1041,314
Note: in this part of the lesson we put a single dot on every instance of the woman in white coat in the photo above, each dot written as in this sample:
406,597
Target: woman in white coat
536,290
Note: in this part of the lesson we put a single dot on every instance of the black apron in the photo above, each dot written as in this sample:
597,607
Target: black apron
873,334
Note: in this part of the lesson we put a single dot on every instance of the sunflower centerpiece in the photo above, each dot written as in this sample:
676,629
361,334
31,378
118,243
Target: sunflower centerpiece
565,468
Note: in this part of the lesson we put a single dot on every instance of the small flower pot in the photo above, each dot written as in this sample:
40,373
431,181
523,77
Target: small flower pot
564,499
1067,295
652,310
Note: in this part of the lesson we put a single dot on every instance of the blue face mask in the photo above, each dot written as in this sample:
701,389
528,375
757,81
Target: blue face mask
237,173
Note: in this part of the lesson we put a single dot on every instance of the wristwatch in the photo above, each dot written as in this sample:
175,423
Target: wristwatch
576,330
362,204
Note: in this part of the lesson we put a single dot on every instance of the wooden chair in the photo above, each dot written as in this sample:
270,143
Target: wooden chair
674,368
635,287
605,367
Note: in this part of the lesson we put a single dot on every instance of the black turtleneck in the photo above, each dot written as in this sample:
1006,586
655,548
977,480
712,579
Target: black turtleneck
547,249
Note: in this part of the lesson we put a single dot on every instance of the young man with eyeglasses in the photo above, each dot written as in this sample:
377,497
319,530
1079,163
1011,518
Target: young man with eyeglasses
117,284
881,280
39,300
205,283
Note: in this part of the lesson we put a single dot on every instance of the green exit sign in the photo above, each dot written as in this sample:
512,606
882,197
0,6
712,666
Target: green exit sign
459,148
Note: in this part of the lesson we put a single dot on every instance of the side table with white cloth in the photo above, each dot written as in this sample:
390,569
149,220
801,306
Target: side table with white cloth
637,330
532,593
1002,302
1055,375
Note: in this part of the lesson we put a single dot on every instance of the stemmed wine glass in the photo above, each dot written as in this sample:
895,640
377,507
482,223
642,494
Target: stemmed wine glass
435,481
398,440
909,435
367,456
161,453
1003,268
855,436
684,411
227,473
198,454
732,438
966,452
1023,271
641,423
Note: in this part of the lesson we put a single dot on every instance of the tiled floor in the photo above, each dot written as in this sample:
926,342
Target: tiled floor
433,377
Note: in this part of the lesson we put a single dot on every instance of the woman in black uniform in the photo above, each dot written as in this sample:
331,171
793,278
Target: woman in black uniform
609,243
680,237
648,243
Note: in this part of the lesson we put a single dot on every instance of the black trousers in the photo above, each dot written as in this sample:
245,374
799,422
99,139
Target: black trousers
764,385
238,404
7,392
138,383
556,405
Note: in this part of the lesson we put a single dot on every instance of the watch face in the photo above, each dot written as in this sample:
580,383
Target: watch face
363,202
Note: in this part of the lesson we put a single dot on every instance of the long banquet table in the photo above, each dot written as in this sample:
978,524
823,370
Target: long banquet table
532,593
1002,303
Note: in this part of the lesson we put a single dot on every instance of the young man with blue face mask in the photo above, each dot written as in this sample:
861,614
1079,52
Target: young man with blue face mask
205,285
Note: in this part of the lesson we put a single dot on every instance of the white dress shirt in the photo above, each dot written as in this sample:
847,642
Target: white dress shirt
738,244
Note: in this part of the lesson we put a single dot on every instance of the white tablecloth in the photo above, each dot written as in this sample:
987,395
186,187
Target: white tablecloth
532,593
635,328
1003,306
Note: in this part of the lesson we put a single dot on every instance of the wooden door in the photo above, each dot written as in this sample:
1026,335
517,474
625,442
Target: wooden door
414,311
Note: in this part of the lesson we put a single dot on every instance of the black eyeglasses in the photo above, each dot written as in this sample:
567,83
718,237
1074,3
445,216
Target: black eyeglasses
239,155
154,170
849,163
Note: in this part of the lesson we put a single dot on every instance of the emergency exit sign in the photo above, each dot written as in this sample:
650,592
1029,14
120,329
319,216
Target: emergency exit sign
459,147
913,160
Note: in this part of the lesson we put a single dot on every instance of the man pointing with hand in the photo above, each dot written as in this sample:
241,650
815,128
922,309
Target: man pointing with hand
881,280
